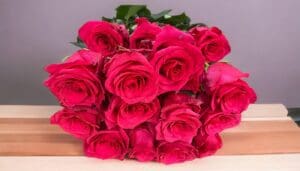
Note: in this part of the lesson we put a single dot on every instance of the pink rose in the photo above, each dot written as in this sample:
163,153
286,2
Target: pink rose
75,83
232,97
176,65
212,43
175,152
181,99
130,76
222,73
142,143
171,36
81,124
107,144
177,123
144,35
216,121
207,145
128,116
102,36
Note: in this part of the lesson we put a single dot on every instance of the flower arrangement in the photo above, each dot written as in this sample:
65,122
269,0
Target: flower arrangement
150,87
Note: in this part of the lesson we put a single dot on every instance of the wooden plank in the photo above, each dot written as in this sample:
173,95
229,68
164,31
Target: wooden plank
284,162
34,136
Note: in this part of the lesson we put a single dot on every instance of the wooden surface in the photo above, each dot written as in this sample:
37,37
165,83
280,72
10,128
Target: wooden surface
25,131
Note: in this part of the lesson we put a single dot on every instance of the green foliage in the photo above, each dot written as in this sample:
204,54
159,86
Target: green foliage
79,43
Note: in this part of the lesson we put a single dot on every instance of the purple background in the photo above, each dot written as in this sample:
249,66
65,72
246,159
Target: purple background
264,35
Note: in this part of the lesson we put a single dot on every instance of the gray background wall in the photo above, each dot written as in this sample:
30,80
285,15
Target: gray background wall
264,36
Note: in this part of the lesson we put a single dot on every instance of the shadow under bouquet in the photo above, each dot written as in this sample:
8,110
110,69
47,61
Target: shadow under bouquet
150,87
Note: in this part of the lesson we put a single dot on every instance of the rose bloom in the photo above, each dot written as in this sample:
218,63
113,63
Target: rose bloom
207,145
107,144
142,143
216,121
81,124
232,97
102,36
75,82
131,77
128,116
177,123
176,65
221,73
144,34
175,152
212,43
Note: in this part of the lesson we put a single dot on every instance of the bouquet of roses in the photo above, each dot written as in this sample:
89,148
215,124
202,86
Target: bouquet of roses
148,87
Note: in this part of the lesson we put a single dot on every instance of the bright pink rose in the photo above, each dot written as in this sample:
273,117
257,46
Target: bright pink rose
107,144
175,152
232,97
212,43
142,143
177,123
86,57
171,36
102,36
128,116
144,35
181,99
176,65
216,121
222,73
75,83
80,124
207,144
130,76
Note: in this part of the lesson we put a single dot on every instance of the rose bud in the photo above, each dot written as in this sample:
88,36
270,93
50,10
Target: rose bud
212,43
142,143
177,123
144,34
221,73
107,144
75,82
232,97
207,145
175,152
102,36
128,116
81,124
131,77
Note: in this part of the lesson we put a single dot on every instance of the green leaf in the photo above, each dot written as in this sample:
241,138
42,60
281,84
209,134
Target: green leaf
107,19
197,25
79,43
127,11
181,21
161,14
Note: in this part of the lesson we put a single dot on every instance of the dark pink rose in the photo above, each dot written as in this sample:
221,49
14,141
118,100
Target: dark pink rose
75,84
232,97
144,35
102,36
177,123
171,36
128,116
176,65
130,76
181,99
80,124
107,144
175,152
207,145
212,43
142,143
221,73
216,121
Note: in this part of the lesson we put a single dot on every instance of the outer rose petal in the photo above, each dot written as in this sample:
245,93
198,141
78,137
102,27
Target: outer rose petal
207,144
175,152
222,73
107,144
